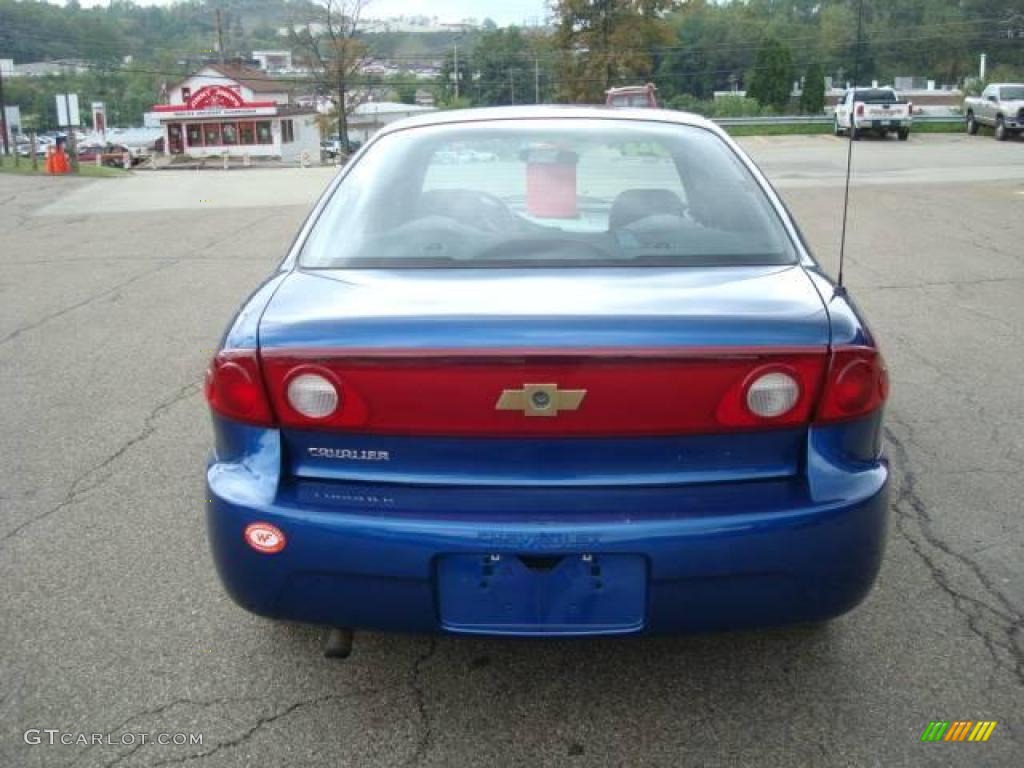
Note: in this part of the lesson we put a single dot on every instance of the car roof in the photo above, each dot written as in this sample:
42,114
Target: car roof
552,112
632,88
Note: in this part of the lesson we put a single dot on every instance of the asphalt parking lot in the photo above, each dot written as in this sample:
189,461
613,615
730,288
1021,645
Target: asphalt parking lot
113,294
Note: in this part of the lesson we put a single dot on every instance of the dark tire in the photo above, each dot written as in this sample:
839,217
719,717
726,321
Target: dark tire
1001,133
903,134
972,124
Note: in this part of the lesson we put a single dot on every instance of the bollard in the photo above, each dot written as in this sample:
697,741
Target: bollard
99,159
225,161
126,160
246,160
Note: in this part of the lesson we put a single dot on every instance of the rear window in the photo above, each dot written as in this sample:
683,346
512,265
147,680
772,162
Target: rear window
876,96
629,100
548,192
1012,93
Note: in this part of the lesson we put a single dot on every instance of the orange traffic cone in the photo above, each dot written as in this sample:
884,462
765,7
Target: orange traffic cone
60,163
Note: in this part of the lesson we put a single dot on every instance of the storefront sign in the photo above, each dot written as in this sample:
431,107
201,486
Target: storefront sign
215,96
168,111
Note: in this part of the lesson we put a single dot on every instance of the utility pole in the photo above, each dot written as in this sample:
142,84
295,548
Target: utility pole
512,86
3,115
536,80
220,37
456,55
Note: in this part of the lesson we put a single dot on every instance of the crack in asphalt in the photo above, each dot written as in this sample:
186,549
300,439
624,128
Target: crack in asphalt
165,264
426,735
85,302
423,743
941,283
264,721
967,395
156,711
77,488
984,620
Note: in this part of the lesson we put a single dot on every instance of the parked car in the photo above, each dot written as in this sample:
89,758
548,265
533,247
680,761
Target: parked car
332,147
25,148
1000,106
526,403
632,96
111,155
878,110
476,156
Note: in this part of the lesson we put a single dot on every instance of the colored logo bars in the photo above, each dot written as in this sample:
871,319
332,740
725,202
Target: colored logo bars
958,730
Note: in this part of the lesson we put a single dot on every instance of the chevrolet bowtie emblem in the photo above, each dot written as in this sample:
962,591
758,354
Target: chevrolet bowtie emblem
540,399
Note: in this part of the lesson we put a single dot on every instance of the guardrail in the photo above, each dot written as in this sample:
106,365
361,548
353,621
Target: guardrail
817,120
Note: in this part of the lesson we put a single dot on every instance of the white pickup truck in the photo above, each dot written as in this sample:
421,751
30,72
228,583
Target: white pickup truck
1000,106
879,110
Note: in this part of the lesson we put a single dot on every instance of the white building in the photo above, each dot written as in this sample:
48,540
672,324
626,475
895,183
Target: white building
238,111
369,117
273,61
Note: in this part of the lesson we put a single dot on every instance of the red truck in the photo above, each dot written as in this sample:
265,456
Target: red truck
632,96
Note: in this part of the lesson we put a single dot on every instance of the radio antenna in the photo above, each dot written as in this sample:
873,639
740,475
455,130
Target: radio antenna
849,143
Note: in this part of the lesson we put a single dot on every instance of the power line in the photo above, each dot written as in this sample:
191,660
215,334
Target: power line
370,82
311,78
550,52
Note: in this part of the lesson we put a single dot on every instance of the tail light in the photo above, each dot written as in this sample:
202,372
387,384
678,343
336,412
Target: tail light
857,384
234,387
860,110
458,394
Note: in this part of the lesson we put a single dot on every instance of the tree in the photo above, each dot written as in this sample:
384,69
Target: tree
504,67
812,99
331,38
446,91
606,41
771,82
403,87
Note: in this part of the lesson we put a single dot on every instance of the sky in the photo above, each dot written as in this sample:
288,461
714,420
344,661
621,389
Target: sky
502,11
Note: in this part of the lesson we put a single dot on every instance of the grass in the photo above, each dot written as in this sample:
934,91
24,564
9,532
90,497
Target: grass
813,130
776,130
88,170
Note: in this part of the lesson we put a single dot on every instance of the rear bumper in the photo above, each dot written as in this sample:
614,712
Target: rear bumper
716,557
868,124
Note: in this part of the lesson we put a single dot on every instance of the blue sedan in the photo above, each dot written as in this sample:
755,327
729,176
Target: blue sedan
595,386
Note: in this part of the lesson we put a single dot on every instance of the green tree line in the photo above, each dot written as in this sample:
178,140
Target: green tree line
688,48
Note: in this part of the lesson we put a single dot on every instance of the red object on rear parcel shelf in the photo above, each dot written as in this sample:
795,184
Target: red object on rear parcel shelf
551,182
